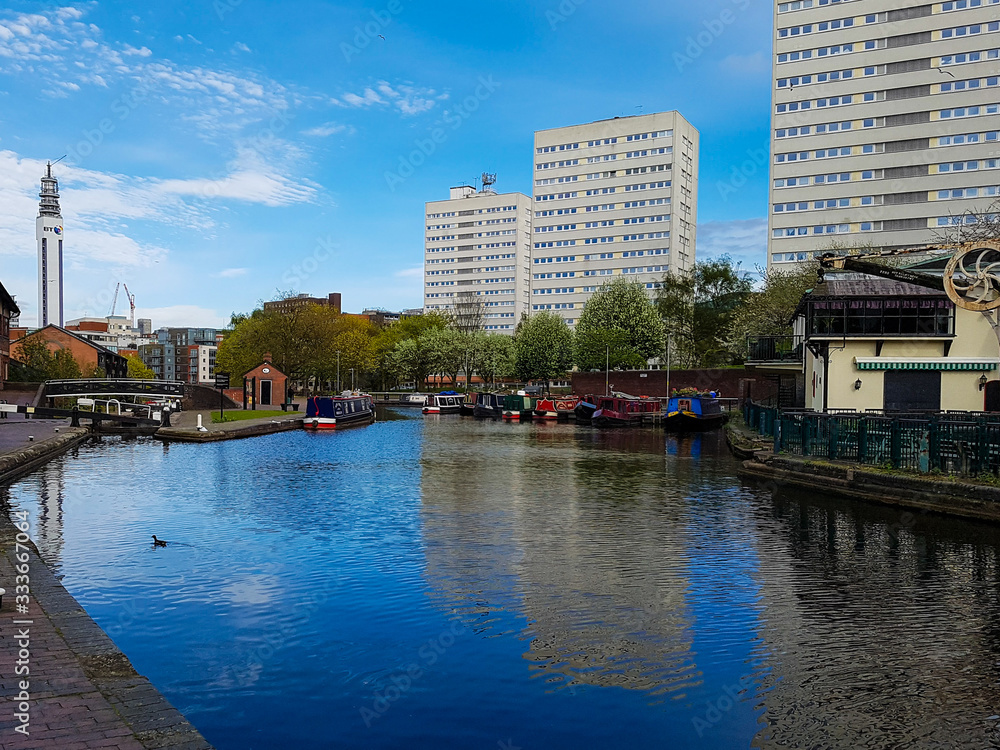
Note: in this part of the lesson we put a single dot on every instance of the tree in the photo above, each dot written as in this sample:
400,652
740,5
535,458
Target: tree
470,312
697,307
35,360
448,351
138,370
971,226
64,366
768,312
621,314
413,359
494,356
543,347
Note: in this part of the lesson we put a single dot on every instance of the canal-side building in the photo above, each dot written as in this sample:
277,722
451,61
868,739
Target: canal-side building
612,198
884,122
477,256
88,354
865,343
9,311
293,304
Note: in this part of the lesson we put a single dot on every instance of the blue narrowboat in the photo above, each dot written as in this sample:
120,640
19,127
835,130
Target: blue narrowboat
694,413
338,412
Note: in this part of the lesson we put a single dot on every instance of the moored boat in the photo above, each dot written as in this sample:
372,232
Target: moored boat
557,407
614,411
448,402
585,409
469,404
338,412
488,406
694,413
517,407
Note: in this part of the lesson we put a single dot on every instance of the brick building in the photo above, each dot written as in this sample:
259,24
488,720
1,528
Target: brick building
266,384
291,304
87,354
8,311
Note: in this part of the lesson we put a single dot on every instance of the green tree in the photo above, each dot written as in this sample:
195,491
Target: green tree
414,360
493,354
448,348
35,360
619,315
768,311
64,366
543,347
697,307
138,370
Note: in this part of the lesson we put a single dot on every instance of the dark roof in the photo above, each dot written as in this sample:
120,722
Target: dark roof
8,302
870,286
94,344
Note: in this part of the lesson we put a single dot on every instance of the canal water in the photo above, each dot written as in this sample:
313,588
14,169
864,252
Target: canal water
448,583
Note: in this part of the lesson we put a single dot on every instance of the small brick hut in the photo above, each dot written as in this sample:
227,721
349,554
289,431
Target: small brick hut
265,385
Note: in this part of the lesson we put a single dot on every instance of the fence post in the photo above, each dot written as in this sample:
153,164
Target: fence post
934,443
834,429
982,447
777,436
862,440
804,434
895,444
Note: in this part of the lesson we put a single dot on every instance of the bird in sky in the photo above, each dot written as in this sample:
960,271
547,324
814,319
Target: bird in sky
381,37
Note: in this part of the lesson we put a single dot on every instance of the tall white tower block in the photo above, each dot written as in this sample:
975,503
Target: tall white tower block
49,237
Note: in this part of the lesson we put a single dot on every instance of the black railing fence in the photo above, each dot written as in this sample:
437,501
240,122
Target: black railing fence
962,443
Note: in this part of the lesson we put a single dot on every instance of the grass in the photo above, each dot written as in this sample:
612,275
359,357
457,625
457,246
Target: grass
239,415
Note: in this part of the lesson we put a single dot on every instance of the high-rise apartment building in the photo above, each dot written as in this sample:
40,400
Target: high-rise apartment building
477,256
885,122
49,240
614,197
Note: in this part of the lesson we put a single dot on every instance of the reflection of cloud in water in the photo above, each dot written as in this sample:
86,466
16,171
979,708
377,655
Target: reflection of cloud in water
252,589
572,538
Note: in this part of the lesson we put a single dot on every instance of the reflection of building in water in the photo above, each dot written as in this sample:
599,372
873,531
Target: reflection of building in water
48,531
883,629
566,537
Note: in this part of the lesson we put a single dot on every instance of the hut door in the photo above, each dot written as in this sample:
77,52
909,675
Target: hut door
993,395
265,393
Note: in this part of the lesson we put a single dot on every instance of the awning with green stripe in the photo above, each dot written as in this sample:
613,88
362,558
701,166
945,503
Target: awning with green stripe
931,363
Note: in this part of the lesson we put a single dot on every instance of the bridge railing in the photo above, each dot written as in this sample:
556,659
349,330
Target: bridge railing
114,387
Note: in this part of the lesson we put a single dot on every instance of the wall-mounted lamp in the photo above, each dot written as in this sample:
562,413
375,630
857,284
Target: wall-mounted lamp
857,384
982,382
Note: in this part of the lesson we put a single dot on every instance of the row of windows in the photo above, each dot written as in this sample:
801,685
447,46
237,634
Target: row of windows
952,221
808,54
834,127
557,306
970,57
558,290
559,275
836,75
556,228
865,226
829,153
966,166
802,4
562,147
971,30
560,243
823,179
981,192
778,208
605,141
556,180
557,164
812,28
556,196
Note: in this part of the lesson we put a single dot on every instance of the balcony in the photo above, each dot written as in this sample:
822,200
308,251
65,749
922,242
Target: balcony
785,350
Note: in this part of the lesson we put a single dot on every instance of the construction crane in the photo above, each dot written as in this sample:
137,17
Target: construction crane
114,300
131,304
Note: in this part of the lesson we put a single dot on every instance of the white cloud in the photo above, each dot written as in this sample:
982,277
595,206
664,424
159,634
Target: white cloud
240,47
328,129
744,240
408,99
232,273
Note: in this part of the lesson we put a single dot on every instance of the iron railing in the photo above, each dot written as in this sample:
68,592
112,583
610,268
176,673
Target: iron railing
962,443
784,349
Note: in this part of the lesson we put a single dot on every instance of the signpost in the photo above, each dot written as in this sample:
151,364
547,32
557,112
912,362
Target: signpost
222,383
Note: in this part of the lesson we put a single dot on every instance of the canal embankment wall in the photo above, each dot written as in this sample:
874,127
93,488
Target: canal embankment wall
75,688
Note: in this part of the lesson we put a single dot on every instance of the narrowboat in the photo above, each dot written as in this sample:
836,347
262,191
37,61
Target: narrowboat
694,413
488,406
469,404
585,409
448,402
613,411
518,407
338,412
554,407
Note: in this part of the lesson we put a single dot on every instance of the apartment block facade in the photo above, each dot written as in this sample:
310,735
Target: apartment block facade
477,252
885,122
611,198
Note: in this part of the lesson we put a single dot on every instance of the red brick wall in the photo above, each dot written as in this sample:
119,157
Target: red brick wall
84,354
278,383
731,383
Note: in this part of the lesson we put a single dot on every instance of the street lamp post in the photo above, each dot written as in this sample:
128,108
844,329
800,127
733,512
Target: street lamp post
352,378
668,365
607,370
338,372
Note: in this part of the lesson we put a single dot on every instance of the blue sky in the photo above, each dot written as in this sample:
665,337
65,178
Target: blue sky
222,150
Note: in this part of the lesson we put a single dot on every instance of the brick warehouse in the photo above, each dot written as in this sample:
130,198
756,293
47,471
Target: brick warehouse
86,353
